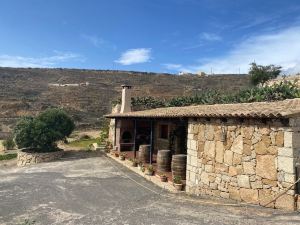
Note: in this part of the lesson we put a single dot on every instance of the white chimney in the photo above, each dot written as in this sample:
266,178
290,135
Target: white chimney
126,99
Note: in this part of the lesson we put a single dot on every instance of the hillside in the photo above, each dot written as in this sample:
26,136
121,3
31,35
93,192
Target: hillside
87,94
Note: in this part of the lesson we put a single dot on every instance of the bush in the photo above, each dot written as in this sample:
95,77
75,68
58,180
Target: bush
260,74
281,91
42,133
8,156
9,143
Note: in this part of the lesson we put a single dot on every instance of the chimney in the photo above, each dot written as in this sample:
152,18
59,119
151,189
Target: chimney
126,99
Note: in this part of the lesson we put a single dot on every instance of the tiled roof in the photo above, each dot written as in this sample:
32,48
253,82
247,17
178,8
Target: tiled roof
279,109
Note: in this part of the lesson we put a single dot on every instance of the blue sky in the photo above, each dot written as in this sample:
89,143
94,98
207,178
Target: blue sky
222,36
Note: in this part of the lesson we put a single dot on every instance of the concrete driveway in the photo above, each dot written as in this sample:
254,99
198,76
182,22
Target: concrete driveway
89,188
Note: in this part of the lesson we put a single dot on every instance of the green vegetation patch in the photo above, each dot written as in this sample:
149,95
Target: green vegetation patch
276,92
84,143
8,156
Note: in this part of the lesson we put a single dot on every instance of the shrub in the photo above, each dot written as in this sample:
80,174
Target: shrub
8,156
42,132
104,131
9,143
177,180
280,91
260,74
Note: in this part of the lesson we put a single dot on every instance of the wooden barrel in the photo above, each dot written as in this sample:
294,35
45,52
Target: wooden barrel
179,166
144,153
164,160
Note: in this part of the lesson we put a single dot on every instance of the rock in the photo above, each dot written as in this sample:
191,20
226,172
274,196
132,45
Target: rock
237,145
272,183
249,168
228,157
249,195
265,130
286,202
247,147
209,132
201,136
279,138
265,196
220,168
234,193
256,184
209,149
266,166
248,132
219,151
232,171
224,195
286,164
204,178
237,159
243,181
209,168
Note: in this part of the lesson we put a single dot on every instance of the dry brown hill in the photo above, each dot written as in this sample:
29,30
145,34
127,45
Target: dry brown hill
27,91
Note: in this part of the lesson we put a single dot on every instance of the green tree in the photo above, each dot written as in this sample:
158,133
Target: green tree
43,131
260,74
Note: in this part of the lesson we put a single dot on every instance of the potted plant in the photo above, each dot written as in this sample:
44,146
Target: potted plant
134,162
177,183
140,165
149,170
122,156
117,154
163,177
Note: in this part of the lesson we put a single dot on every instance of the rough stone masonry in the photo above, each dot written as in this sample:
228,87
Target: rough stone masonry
250,160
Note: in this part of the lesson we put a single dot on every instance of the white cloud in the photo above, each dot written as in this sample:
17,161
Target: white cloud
94,40
280,48
135,56
210,37
48,61
171,66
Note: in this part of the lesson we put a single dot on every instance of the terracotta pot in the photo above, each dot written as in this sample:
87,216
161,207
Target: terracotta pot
178,187
149,173
163,179
134,164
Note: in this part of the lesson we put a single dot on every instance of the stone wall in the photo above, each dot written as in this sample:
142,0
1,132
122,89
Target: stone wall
26,158
245,160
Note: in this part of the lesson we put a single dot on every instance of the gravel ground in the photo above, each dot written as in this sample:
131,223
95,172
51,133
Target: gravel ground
89,188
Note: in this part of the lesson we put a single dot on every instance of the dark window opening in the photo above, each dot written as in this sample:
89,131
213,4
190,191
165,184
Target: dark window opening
164,131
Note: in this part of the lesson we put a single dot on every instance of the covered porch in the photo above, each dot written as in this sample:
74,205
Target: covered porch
159,133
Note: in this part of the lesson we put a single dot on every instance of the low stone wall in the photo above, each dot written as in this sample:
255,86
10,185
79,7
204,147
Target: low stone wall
26,157
244,160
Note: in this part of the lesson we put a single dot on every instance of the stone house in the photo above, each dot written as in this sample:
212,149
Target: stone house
246,152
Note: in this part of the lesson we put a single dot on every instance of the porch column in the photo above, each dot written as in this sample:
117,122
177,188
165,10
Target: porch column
151,142
134,139
115,133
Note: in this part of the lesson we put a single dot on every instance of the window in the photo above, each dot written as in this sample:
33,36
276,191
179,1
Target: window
164,131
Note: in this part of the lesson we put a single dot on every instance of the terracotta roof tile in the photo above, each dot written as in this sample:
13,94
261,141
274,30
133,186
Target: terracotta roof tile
279,109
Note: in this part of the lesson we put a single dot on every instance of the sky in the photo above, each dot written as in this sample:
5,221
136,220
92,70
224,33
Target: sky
169,36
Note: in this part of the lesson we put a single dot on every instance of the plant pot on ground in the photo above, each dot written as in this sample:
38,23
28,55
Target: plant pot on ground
117,154
163,177
140,165
149,170
177,183
122,156
134,162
